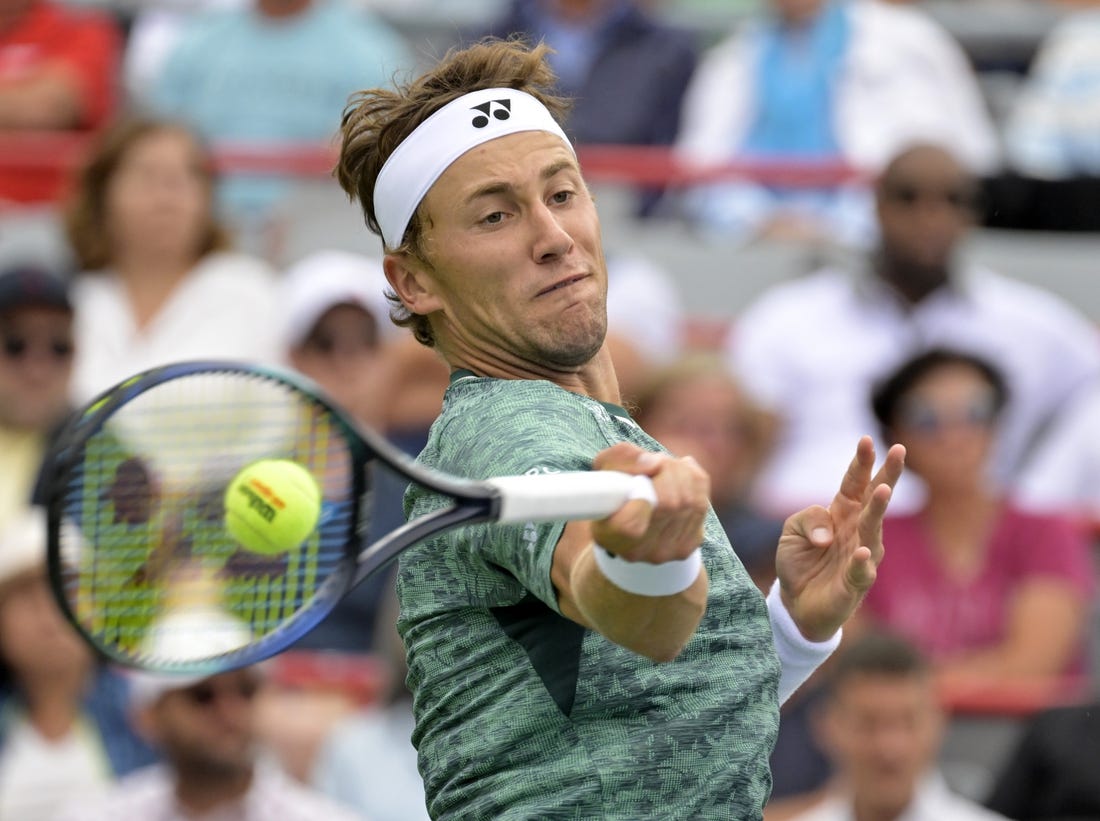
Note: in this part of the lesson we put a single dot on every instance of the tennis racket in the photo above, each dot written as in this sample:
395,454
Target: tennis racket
141,559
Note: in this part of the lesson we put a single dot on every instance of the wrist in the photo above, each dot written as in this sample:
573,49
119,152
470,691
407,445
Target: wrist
648,578
781,611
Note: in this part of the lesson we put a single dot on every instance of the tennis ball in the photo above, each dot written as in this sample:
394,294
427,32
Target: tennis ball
272,505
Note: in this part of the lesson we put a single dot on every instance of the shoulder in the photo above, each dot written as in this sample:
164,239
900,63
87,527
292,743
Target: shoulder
810,295
892,19
146,793
236,264
1025,302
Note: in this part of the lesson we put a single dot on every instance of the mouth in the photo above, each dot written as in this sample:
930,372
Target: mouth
562,283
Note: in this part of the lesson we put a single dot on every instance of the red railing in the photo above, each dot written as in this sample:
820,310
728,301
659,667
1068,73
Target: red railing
636,165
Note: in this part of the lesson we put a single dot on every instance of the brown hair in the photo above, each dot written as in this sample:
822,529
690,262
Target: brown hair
85,216
377,120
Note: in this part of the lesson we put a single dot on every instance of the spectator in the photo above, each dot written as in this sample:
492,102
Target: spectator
990,593
338,333
368,760
279,71
1051,773
882,725
694,407
1063,474
58,72
154,32
832,334
626,71
832,81
36,331
1053,130
159,283
212,770
63,722
645,319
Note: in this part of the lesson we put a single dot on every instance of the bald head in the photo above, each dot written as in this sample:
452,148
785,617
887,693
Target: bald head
925,202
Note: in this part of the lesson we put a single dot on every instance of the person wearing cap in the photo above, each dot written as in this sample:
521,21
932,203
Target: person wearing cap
213,768
620,669
36,357
64,727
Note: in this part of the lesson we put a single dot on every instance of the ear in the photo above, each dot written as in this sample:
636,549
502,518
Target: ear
416,287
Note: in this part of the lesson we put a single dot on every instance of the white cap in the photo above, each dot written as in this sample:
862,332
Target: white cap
326,279
185,634
23,543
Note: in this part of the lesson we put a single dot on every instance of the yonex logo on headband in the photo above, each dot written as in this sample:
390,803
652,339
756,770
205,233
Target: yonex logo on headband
429,150
503,112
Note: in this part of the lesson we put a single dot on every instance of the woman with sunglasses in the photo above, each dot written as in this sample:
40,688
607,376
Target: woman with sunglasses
991,593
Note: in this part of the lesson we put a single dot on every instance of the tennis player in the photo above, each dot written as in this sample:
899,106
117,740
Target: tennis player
620,669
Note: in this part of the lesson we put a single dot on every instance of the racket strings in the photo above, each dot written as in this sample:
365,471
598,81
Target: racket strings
149,567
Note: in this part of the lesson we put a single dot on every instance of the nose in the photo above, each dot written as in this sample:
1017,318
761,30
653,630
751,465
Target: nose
550,239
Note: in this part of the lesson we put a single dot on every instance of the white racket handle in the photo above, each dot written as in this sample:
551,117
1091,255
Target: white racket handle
547,497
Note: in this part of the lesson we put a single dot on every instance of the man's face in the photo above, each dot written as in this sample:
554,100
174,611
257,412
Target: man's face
515,272
884,733
36,357
925,208
208,728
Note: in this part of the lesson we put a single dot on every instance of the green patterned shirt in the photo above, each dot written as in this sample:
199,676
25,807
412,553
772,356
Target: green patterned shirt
523,714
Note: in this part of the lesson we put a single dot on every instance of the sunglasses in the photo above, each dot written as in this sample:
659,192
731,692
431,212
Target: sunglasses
924,418
205,693
17,347
961,198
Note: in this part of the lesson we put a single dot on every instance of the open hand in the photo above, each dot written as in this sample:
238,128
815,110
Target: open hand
828,556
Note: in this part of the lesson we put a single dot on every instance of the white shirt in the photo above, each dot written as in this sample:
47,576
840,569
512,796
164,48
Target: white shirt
933,802
812,349
38,775
904,79
149,795
226,308
1064,472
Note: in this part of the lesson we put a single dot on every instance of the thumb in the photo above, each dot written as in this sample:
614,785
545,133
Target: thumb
814,524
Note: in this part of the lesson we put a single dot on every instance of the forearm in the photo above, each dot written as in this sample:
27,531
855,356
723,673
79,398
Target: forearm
657,627
47,101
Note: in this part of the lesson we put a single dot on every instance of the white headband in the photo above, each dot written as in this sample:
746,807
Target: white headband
429,150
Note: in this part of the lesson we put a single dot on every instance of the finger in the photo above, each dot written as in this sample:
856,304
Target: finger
862,569
814,524
856,478
629,458
892,468
870,521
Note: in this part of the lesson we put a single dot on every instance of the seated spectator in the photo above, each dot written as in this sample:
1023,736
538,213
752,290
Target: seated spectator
645,319
154,31
36,331
1063,473
810,350
64,728
991,593
1053,131
694,407
58,72
159,283
626,71
205,729
277,71
367,760
882,726
1050,775
338,333
846,83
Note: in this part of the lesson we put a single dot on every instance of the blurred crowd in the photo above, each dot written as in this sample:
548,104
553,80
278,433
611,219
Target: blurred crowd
857,125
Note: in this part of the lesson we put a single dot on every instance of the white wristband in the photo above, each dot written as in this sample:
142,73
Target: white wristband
798,656
648,579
